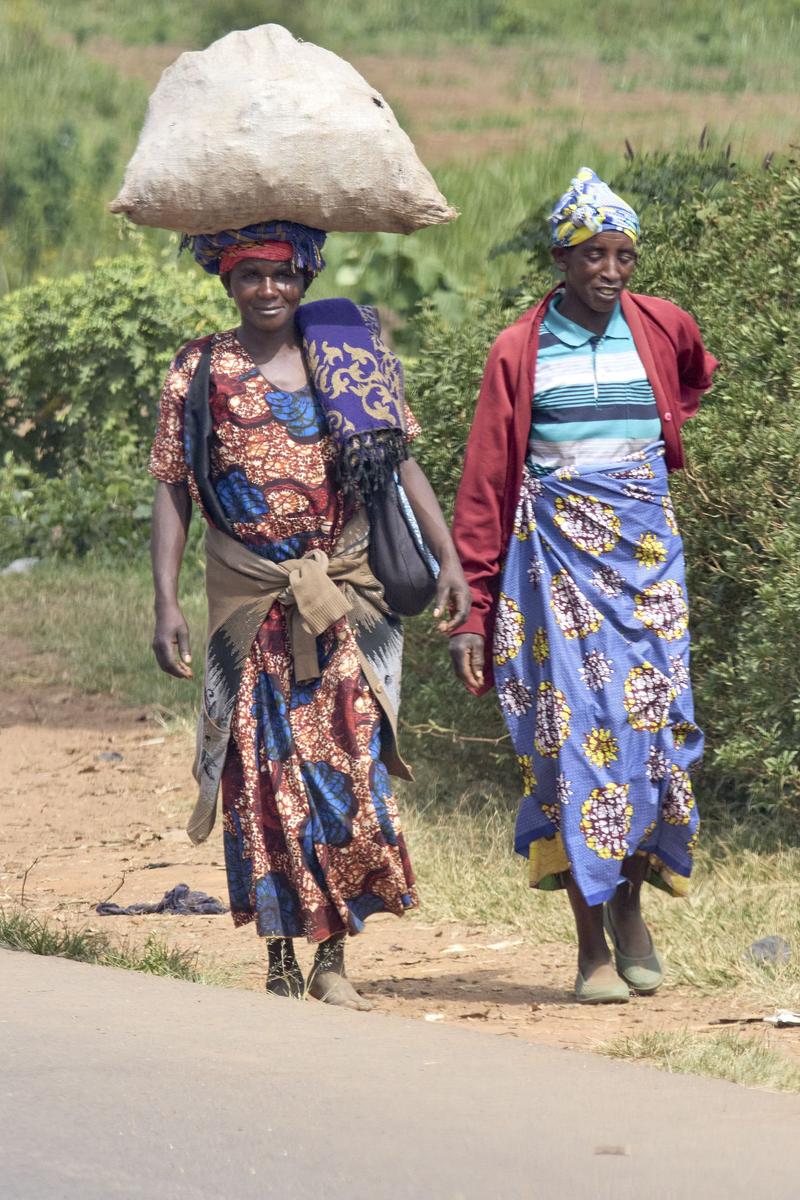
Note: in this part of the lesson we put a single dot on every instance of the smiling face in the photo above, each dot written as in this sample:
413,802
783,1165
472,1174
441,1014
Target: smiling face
267,294
596,271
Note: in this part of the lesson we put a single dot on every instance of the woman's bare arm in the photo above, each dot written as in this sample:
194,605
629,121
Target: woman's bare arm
172,509
452,593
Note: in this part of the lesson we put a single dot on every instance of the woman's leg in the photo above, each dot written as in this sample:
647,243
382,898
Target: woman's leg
632,933
594,960
284,977
328,980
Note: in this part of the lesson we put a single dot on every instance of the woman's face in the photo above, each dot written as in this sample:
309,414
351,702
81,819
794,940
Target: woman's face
597,270
267,294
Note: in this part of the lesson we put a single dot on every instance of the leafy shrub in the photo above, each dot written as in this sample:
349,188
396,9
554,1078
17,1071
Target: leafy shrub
662,179
86,355
101,499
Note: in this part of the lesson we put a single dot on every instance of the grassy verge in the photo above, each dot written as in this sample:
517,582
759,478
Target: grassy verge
746,886
20,930
752,41
728,1056
93,624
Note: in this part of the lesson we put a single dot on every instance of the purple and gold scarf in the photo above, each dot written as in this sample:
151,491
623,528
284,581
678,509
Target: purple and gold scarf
359,383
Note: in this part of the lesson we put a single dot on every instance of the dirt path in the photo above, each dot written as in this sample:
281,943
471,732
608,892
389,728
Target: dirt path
94,802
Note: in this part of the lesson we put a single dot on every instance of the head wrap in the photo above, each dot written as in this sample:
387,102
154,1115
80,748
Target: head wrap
269,251
306,245
590,207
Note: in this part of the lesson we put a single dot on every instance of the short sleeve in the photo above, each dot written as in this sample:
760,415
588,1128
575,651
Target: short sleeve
412,426
167,456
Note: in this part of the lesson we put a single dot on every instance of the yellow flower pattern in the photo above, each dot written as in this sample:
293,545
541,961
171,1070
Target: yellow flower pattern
647,695
541,645
650,550
681,730
601,747
553,715
528,776
669,514
587,523
606,820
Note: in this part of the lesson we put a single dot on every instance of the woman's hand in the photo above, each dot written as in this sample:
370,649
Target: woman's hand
171,642
466,655
453,600
172,507
452,595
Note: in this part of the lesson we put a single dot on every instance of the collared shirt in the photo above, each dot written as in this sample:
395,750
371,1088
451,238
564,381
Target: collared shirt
592,402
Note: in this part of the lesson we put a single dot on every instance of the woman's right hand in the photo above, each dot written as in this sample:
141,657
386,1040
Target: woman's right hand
466,655
171,642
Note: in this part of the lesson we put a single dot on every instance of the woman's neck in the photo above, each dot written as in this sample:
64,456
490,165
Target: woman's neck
264,346
574,309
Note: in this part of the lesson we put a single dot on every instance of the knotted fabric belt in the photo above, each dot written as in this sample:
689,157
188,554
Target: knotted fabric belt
316,591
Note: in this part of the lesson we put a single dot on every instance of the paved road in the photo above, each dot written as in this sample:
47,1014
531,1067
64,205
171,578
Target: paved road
115,1084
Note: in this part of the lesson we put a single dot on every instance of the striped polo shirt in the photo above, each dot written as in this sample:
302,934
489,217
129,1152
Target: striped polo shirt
592,402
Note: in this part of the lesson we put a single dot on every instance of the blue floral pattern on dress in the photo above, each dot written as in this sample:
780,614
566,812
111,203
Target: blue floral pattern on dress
241,500
299,412
293,547
331,803
238,866
381,791
277,907
269,709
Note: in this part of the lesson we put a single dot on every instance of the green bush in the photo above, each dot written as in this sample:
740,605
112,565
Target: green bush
86,355
82,360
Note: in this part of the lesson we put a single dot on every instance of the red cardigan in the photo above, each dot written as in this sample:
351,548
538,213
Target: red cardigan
679,369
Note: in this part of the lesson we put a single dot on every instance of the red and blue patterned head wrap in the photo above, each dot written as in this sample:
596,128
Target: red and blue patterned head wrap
590,207
306,244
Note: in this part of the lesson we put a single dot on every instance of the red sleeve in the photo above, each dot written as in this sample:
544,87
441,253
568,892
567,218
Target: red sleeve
696,366
691,366
477,522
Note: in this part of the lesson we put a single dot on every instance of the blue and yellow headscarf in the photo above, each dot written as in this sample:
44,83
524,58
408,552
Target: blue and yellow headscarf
590,207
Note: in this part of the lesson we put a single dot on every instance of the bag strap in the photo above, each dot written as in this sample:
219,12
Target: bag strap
198,430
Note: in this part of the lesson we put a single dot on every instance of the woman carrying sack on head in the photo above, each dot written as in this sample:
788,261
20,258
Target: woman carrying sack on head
282,431
565,528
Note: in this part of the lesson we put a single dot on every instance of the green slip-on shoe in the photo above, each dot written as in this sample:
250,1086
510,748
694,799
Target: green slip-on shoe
644,975
587,992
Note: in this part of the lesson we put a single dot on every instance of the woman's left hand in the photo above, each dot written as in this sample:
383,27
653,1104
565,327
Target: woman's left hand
452,596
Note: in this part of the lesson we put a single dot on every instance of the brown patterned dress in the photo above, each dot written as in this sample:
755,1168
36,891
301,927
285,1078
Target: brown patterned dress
311,831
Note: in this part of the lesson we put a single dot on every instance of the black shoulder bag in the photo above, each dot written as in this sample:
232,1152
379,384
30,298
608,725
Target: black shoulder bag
398,555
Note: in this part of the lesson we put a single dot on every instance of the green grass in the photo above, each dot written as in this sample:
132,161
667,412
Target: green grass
67,126
762,37
737,1058
746,886
20,930
106,647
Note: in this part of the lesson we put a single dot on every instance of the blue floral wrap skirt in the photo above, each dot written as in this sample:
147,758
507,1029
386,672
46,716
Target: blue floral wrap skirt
591,656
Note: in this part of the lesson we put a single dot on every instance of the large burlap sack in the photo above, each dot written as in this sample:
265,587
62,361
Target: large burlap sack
262,127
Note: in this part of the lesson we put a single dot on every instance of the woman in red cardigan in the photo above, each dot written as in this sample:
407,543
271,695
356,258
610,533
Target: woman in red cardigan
567,536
